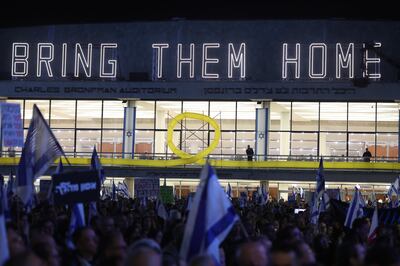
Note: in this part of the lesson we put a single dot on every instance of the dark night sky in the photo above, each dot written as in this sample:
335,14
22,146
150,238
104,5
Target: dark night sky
63,12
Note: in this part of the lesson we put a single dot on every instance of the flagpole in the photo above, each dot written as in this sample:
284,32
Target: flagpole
246,235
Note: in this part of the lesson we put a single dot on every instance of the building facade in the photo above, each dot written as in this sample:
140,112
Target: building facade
292,90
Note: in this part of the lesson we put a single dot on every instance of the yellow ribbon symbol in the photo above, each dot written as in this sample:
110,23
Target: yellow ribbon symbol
187,158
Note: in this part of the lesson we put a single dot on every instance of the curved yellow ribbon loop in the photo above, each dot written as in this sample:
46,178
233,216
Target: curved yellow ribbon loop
187,158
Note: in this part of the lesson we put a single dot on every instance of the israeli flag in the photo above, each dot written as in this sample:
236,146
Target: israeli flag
161,211
320,179
40,150
210,219
374,226
262,195
123,189
314,211
96,165
77,221
4,251
355,209
325,202
394,190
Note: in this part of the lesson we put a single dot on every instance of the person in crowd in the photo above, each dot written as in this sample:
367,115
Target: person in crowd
250,153
144,252
16,244
26,258
252,253
367,155
112,249
86,243
283,255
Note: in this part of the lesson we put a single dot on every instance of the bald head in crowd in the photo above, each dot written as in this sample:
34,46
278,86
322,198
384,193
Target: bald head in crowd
144,252
252,253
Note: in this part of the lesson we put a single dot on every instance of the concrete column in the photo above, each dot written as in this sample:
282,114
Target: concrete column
262,127
284,141
128,139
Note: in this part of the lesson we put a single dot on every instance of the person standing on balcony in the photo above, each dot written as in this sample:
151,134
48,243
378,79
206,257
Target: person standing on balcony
367,155
250,153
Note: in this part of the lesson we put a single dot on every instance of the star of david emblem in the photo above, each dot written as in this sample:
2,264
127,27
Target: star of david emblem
129,134
261,135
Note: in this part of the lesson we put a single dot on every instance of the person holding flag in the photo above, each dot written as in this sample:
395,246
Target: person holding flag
211,218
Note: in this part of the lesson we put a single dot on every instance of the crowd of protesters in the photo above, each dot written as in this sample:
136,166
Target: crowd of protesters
127,233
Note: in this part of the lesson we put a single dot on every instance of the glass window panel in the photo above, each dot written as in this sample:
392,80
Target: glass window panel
89,114
333,116
62,114
388,117
304,146
43,106
66,138
195,107
227,144
144,140
387,147
86,140
246,115
165,111
362,117
111,146
224,114
113,114
304,116
280,116
161,144
274,145
333,145
358,143
145,114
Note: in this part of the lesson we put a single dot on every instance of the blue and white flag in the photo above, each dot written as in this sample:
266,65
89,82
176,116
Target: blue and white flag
4,251
77,221
314,211
355,209
301,192
264,194
210,219
122,188
40,150
320,179
96,165
324,202
229,191
394,190
161,211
